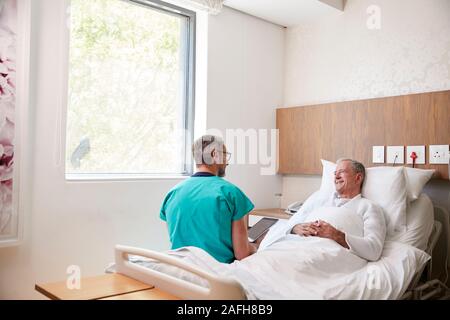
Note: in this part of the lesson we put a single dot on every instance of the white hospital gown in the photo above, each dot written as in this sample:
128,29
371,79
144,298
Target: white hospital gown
368,247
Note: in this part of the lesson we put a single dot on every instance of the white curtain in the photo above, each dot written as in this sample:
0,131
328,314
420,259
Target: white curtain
211,6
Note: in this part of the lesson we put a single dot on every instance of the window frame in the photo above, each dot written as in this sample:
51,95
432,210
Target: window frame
188,107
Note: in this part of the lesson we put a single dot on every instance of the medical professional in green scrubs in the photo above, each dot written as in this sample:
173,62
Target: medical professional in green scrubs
206,211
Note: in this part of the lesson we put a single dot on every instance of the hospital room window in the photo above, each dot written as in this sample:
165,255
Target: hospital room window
130,89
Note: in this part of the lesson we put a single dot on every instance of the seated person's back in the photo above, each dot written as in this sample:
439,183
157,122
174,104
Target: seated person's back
200,212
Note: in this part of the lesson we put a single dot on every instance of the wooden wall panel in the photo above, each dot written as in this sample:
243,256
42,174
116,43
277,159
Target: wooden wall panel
350,129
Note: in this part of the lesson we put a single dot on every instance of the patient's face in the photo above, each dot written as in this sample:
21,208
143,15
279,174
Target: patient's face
345,179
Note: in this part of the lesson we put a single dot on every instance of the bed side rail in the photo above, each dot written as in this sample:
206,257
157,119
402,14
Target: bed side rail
432,287
436,232
219,288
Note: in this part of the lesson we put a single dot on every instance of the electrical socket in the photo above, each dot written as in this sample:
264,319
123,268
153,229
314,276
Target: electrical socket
439,154
395,154
420,152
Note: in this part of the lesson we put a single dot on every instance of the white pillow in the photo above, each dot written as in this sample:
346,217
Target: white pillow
385,186
341,218
328,168
416,179
419,221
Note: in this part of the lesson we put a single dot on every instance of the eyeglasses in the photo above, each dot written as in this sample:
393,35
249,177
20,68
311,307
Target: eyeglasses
228,155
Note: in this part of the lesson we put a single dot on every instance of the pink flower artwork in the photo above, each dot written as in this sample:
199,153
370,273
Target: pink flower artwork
8,14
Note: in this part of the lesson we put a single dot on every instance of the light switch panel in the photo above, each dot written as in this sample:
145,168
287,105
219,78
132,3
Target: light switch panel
396,154
378,154
439,154
420,152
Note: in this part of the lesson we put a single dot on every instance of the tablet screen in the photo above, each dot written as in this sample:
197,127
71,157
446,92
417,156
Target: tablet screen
260,227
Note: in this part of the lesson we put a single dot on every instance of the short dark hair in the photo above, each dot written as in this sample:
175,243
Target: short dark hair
204,146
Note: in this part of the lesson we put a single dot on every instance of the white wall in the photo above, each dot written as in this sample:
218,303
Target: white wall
340,59
245,86
298,188
79,223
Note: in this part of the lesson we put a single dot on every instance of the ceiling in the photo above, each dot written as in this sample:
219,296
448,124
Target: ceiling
288,13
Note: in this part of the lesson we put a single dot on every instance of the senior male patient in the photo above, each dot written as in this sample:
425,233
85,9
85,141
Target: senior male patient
349,178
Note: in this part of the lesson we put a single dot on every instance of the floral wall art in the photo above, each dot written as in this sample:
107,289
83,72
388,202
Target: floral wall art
8,37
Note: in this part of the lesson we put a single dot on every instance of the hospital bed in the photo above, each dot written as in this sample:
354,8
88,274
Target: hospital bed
132,280
423,232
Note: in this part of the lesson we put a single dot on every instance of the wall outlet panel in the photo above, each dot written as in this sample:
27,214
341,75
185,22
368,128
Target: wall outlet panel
378,154
396,154
420,152
439,154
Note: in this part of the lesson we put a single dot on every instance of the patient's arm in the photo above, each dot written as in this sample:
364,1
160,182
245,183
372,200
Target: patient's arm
326,230
242,248
369,246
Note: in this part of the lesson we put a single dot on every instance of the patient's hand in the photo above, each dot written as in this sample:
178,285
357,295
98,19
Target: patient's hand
305,229
326,230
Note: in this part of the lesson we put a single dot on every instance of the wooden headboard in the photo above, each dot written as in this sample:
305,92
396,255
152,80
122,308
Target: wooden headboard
350,129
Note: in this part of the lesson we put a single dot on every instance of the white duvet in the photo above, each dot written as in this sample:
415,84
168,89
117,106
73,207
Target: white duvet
295,267
310,268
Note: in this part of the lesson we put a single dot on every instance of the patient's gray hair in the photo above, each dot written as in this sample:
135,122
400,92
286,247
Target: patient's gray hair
357,167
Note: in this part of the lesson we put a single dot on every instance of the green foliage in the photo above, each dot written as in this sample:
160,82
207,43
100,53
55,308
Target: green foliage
125,88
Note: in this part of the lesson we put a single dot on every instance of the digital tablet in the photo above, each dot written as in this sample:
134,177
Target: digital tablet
260,227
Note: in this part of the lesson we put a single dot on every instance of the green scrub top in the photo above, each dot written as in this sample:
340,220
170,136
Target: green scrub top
199,212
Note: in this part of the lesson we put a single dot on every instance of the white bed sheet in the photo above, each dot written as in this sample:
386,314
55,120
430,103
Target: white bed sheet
316,268
309,268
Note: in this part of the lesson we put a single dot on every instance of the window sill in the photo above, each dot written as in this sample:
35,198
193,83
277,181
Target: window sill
82,177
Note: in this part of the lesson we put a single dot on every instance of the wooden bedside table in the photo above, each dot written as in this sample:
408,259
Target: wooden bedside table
271,213
111,286
257,214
